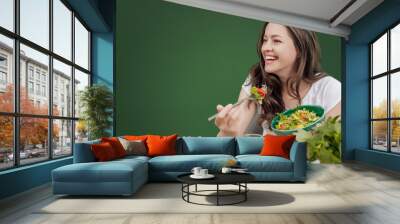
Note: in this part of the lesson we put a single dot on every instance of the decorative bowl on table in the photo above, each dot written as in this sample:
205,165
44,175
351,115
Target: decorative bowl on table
303,117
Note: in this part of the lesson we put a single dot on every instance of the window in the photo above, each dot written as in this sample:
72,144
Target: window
3,78
55,126
385,97
81,45
38,74
30,72
38,89
3,61
44,91
3,72
43,77
30,87
62,75
62,29
81,81
34,21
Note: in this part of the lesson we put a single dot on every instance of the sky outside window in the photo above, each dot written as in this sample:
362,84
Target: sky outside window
62,29
395,47
35,27
81,45
7,14
379,56
35,21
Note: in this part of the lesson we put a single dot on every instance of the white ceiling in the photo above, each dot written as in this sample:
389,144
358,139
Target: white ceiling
321,9
318,15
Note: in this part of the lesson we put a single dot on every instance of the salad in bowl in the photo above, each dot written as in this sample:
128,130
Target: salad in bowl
302,117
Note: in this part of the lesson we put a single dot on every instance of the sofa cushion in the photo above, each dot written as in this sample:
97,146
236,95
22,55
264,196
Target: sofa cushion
161,145
185,163
116,145
111,171
134,147
103,152
133,158
277,145
249,145
206,145
257,163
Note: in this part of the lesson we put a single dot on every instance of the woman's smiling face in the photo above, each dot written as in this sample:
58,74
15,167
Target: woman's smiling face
278,50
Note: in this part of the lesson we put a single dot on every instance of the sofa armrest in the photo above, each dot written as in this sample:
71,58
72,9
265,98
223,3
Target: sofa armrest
83,152
298,155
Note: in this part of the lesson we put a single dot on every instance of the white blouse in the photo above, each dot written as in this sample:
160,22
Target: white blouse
326,92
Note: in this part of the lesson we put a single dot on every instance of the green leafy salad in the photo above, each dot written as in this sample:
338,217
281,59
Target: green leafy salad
299,119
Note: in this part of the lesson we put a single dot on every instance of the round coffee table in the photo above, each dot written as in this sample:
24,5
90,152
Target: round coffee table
238,179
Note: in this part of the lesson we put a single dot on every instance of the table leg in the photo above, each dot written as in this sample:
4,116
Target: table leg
245,193
182,189
217,194
188,189
196,188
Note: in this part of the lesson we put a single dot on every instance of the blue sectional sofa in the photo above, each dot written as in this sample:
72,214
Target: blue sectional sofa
125,176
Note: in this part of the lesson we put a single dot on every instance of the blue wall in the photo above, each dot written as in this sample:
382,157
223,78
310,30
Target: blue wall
103,49
356,119
24,178
102,61
102,58
99,16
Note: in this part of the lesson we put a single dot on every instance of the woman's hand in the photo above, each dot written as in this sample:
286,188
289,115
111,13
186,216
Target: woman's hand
233,121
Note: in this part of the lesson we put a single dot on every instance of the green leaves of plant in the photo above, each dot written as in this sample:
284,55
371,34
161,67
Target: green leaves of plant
97,103
324,141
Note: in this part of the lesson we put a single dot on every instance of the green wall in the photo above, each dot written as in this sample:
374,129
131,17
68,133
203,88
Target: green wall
175,63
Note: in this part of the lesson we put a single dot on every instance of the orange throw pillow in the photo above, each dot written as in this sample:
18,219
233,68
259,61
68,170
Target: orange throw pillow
103,151
161,145
275,145
116,145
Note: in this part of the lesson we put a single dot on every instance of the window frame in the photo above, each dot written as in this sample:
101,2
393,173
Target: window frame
16,115
388,74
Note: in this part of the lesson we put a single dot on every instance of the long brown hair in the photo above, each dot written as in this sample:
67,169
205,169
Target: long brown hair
307,68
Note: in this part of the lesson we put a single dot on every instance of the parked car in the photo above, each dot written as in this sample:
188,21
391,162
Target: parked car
22,155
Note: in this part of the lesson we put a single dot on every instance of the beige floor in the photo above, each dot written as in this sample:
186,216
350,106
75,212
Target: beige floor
352,181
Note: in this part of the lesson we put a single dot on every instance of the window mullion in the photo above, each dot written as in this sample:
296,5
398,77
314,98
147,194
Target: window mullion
16,84
73,82
371,98
389,108
50,87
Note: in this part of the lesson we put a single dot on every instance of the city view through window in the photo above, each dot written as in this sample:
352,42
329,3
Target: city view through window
39,113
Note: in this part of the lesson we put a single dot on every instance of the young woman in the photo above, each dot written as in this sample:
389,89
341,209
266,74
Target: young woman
289,66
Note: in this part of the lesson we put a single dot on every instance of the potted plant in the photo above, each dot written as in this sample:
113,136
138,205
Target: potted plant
96,102
324,141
